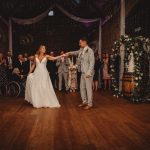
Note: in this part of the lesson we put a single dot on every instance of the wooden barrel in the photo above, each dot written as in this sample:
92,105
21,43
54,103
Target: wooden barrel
128,84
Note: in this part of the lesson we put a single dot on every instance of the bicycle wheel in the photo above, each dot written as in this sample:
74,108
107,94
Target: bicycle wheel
13,89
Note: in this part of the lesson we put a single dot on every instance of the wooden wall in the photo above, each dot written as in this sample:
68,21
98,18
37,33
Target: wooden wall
3,37
111,29
138,20
110,32
130,5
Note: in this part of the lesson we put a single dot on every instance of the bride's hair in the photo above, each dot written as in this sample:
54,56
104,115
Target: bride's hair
38,52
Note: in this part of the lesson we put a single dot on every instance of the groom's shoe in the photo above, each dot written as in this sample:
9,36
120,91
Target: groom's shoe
87,107
82,105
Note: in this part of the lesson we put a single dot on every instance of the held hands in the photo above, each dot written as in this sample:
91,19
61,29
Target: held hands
65,55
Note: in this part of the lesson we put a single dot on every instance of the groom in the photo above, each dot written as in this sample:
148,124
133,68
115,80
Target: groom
85,62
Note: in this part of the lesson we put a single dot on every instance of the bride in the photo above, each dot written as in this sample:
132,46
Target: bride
39,90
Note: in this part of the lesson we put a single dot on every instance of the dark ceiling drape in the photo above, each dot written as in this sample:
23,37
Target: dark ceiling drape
45,13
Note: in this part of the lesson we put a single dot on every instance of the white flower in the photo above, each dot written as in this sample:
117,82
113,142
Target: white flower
141,74
140,78
133,47
136,84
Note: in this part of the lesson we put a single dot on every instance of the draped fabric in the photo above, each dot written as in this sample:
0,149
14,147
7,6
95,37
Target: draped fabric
78,19
32,20
44,14
71,16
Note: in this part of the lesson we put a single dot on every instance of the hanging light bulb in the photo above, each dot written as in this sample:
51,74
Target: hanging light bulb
51,13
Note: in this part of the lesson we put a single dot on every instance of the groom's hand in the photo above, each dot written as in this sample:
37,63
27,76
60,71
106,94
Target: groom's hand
88,76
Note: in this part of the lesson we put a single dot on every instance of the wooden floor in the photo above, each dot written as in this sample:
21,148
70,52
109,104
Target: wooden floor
113,124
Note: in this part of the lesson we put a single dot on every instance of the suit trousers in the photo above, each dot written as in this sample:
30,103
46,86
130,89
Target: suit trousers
62,75
86,89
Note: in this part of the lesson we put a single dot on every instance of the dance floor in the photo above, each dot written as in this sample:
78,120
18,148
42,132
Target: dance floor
113,124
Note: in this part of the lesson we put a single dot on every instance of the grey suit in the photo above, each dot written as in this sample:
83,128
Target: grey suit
62,72
85,64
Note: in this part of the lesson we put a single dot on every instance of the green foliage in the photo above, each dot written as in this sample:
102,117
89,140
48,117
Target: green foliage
135,46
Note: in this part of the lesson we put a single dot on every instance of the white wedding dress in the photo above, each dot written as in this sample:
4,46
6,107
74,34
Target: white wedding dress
39,90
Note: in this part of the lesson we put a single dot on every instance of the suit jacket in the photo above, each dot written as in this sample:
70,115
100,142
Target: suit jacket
26,67
20,66
85,61
62,66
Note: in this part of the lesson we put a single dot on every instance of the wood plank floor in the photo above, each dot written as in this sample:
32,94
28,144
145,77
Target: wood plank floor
113,124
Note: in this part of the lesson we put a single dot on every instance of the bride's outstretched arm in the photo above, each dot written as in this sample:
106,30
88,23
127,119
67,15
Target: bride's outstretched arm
54,58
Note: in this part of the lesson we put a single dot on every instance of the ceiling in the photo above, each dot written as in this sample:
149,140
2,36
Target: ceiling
81,8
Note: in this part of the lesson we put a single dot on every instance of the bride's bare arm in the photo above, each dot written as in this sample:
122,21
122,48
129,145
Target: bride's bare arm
54,58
